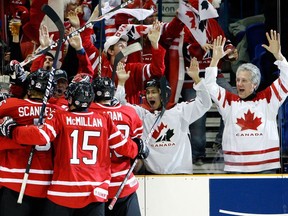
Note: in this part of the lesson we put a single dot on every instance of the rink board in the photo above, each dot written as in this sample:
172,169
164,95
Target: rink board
215,195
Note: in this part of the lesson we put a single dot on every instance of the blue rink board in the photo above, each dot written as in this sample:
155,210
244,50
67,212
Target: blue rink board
257,196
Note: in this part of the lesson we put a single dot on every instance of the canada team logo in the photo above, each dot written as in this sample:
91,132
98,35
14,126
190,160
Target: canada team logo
249,121
162,133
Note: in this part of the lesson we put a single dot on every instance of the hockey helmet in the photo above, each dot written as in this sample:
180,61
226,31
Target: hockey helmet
38,81
104,88
160,84
80,94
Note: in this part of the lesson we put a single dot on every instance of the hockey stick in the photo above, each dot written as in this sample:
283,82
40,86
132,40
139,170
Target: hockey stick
123,53
59,24
87,25
149,136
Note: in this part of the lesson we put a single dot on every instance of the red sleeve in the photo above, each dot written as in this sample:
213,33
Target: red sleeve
157,66
118,143
7,144
171,31
29,135
85,64
90,49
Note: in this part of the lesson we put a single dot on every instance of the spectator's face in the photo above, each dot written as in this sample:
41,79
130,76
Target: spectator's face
153,97
62,85
244,84
7,56
118,47
72,6
48,63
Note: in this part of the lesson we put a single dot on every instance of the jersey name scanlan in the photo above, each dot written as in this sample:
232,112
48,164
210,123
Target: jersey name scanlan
32,111
82,121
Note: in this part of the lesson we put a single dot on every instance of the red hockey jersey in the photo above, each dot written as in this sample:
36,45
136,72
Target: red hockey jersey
82,143
14,161
129,123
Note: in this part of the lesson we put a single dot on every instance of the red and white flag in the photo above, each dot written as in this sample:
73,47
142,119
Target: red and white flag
133,31
206,10
190,17
196,20
138,13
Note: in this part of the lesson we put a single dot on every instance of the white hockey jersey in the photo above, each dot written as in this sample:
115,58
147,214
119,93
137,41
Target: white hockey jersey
250,138
170,148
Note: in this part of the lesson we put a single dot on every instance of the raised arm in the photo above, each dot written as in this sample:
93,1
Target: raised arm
154,34
218,50
193,70
274,46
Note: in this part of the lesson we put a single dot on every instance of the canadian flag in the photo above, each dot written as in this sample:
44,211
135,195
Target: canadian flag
133,31
196,20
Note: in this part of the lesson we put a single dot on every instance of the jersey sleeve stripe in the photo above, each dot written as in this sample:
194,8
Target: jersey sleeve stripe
123,142
112,136
45,135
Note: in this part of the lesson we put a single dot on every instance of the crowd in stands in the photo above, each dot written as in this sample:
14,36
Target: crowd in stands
87,114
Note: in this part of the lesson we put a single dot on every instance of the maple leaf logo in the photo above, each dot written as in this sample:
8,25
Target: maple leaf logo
193,20
158,131
249,121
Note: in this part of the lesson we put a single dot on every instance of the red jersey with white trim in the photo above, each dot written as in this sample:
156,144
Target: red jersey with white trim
13,165
129,123
82,143
250,138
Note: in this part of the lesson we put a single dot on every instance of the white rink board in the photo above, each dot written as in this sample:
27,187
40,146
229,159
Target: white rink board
174,195
213,195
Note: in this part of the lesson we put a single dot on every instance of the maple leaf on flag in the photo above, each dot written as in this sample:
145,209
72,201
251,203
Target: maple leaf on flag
192,16
249,121
204,5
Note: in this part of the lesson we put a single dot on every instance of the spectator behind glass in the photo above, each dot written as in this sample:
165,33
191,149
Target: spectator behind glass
170,148
192,48
250,139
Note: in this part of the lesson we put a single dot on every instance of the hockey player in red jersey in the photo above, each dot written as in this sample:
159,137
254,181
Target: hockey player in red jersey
82,142
129,123
14,160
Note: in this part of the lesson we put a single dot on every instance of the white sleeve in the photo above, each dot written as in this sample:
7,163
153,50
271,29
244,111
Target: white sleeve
120,94
194,109
214,89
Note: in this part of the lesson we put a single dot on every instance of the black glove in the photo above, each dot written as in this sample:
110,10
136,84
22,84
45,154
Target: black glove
143,151
4,96
6,126
114,102
17,74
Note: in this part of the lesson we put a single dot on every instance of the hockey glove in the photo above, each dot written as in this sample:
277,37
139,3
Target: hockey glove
143,151
4,96
17,75
114,102
6,126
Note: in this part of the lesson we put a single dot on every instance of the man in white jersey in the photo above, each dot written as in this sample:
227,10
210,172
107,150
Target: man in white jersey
170,149
250,138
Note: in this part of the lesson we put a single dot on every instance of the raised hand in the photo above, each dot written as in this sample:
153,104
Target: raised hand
193,70
274,44
218,50
154,34
121,74
75,41
73,19
44,38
